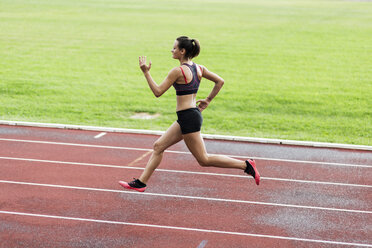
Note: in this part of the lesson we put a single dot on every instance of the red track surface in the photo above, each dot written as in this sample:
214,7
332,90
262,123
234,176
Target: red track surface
58,188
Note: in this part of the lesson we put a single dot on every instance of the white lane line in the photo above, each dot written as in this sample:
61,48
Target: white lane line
202,244
188,172
309,162
75,144
181,152
182,228
190,197
100,135
318,182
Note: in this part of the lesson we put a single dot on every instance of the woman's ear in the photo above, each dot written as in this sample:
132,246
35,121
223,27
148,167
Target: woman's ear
183,51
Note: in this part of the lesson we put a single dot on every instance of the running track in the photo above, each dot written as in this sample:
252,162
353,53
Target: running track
58,188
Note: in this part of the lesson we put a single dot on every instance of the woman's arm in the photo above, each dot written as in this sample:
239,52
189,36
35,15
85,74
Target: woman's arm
218,83
158,90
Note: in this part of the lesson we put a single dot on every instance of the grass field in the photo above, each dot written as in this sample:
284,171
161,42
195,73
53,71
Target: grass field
293,69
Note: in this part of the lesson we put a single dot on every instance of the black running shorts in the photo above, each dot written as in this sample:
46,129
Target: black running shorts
190,120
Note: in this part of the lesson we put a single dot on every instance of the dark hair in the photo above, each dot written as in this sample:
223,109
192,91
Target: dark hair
192,46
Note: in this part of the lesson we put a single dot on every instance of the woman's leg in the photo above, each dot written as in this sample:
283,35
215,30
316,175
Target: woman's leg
195,143
172,136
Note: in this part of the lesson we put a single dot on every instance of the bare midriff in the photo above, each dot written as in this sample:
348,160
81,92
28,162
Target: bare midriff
186,102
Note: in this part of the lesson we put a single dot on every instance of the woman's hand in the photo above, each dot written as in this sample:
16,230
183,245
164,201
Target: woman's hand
203,104
142,64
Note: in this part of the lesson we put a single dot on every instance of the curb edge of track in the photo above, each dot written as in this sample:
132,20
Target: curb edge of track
207,136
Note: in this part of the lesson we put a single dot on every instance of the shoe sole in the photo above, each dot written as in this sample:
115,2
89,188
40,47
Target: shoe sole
257,174
127,186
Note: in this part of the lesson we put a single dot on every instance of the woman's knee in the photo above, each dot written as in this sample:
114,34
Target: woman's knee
158,147
204,161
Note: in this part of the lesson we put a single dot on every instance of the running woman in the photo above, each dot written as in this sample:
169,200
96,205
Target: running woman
186,79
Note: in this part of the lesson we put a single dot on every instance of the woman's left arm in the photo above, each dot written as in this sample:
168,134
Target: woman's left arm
158,90
218,83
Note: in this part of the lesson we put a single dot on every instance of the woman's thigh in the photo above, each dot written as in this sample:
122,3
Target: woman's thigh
195,144
172,136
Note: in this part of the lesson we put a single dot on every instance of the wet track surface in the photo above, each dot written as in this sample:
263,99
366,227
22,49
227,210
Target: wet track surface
65,182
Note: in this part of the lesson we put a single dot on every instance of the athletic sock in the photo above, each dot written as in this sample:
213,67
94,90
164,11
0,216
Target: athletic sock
136,183
249,170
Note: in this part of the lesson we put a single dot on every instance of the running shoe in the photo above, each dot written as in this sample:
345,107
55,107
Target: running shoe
252,170
136,184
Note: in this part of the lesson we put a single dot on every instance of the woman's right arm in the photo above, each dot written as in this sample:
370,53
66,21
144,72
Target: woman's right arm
158,90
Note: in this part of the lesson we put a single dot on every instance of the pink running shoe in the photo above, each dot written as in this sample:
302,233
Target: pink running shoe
136,184
252,170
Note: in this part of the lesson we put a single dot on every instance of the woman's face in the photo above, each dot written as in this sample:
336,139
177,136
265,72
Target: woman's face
177,53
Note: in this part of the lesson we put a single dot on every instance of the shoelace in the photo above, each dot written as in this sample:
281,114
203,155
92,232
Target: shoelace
136,184
133,183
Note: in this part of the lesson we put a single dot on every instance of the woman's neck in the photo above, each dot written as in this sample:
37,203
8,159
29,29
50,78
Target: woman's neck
185,61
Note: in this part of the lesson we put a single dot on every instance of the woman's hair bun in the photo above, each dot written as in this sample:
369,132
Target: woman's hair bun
192,46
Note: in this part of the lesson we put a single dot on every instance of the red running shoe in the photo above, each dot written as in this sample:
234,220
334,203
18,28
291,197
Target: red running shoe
252,170
136,184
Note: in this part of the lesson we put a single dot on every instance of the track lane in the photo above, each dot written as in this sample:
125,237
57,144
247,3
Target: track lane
138,208
213,146
174,161
288,221
326,196
41,232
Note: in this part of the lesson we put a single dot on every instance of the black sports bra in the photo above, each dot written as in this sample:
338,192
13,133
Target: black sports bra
188,88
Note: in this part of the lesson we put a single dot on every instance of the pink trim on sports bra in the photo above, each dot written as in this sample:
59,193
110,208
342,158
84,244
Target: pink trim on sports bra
183,74
188,88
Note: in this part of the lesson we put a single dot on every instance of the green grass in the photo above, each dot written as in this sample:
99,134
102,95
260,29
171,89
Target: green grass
294,69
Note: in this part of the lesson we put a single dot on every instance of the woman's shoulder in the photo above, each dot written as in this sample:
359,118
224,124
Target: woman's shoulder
175,70
175,73
202,67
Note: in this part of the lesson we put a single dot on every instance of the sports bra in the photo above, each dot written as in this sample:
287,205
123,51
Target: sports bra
188,88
